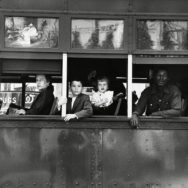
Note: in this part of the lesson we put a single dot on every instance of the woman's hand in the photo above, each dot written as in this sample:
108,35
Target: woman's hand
21,112
70,116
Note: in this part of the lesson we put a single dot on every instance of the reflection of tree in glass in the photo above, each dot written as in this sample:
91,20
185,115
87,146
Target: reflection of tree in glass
93,42
167,42
53,36
48,32
53,39
143,40
108,43
76,40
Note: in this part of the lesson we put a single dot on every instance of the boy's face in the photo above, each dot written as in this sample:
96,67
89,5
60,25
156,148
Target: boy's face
41,82
76,88
102,86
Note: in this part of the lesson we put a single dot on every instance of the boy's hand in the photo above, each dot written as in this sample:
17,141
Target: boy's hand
70,116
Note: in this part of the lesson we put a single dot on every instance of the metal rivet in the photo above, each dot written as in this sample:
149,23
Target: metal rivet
115,183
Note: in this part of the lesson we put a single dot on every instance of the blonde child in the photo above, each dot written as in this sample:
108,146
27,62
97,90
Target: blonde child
103,98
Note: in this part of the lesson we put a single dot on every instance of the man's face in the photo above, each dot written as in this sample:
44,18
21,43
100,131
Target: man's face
161,77
41,82
102,86
76,88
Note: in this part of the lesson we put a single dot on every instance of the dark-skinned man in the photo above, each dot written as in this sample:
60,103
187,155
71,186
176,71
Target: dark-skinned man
160,99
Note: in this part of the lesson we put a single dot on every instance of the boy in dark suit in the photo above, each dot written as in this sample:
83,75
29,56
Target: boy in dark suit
79,106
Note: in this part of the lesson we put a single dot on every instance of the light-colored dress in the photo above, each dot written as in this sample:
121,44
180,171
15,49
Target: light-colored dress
106,98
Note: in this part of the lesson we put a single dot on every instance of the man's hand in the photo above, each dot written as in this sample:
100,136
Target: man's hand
70,116
134,121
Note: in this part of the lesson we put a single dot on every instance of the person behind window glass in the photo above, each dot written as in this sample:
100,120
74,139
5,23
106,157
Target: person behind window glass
79,106
43,102
160,99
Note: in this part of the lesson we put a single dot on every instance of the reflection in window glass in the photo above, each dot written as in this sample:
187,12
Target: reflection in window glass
31,93
10,93
97,34
162,35
31,32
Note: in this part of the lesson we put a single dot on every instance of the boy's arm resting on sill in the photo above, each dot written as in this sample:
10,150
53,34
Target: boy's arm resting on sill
87,110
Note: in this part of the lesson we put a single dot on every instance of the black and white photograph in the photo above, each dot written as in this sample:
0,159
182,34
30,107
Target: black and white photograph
93,94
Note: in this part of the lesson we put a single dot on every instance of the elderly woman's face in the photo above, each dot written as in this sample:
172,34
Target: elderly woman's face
41,82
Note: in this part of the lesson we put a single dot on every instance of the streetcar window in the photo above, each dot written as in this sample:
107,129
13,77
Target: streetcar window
177,74
90,69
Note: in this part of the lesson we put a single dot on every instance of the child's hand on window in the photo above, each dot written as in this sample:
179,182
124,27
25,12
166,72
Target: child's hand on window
62,101
70,116
101,103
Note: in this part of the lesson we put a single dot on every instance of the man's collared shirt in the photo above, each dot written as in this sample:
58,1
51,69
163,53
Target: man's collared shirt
154,99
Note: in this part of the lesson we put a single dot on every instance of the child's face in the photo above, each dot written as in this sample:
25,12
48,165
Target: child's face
76,88
102,86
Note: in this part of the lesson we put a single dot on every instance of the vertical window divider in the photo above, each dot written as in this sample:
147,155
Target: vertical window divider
129,85
64,82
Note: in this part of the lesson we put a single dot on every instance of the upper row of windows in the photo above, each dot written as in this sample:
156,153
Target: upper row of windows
41,32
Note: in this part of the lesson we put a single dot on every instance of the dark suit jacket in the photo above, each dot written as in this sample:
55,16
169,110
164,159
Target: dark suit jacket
43,103
81,107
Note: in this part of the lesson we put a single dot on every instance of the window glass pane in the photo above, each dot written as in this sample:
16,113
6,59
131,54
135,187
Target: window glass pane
10,93
31,32
97,34
108,97
162,35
